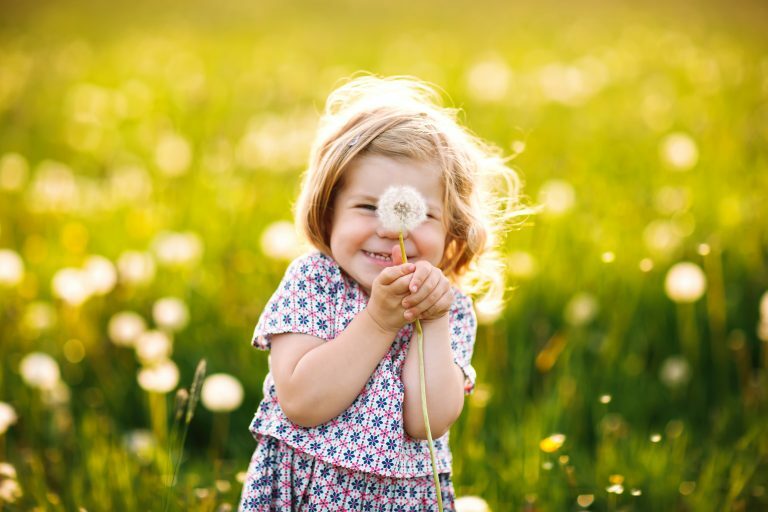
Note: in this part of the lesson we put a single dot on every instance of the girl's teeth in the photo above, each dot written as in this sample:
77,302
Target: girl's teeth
378,256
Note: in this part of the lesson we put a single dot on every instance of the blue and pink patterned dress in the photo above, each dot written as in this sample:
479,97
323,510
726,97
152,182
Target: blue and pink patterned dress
362,459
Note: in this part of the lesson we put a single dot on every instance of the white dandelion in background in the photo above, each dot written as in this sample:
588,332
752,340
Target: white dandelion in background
557,197
178,249
173,154
7,470
10,491
471,504
136,267
58,395
401,209
685,282
39,370
14,170
129,183
489,80
488,311
675,372
100,274
280,241
38,316
160,378
679,151
764,307
71,285
7,417
581,309
521,265
170,313
141,443
54,188
662,236
221,393
11,268
153,347
125,327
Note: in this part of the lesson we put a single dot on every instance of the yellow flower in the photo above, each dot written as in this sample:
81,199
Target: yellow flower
552,443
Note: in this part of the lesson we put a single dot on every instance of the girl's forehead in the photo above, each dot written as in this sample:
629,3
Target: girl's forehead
371,175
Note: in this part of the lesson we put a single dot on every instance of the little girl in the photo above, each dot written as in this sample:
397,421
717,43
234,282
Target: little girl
340,426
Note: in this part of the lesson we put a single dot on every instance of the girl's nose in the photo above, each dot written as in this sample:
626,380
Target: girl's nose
389,233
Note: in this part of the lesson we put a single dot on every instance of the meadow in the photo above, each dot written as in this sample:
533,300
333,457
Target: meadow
150,154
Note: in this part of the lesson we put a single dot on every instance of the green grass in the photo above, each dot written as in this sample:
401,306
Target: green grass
592,94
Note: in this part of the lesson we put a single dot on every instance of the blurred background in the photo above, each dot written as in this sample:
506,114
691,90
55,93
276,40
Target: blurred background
149,157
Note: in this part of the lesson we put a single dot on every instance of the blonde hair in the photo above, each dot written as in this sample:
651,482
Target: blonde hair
403,117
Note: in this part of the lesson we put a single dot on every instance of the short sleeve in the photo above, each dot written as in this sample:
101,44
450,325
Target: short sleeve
303,302
463,325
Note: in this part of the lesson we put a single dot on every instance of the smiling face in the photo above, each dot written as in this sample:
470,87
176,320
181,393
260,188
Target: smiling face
359,243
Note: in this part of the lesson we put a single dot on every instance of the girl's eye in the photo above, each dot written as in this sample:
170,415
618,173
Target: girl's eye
371,207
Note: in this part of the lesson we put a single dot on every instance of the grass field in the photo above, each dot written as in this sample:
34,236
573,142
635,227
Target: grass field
149,157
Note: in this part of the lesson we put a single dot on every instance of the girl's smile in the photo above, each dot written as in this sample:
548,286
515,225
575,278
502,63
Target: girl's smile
359,243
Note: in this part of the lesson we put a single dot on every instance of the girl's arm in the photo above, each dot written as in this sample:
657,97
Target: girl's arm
444,382
317,380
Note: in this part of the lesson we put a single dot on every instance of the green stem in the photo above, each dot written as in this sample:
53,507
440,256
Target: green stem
423,386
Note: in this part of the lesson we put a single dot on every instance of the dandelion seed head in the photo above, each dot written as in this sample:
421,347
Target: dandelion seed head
685,282
280,241
39,370
675,371
72,286
7,470
170,313
100,274
11,268
221,393
10,491
7,417
160,378
401,209
125,327
136,267
764,306
471,504
153,346
141,443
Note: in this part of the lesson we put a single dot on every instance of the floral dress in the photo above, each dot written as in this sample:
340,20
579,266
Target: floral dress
362,459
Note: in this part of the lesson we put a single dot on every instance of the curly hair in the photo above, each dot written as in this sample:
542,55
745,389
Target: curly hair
403,117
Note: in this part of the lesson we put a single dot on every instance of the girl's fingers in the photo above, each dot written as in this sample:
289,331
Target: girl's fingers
420,275
390,274
430,282
434,296
440,307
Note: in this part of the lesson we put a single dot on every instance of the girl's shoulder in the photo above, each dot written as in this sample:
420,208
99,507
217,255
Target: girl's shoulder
312,263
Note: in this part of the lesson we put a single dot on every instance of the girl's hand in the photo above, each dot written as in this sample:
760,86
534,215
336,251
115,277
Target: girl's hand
431,294
387,293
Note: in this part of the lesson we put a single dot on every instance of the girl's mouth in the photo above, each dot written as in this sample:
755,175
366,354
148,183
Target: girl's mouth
384,258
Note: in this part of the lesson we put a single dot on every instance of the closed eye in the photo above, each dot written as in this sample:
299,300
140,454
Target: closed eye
371,207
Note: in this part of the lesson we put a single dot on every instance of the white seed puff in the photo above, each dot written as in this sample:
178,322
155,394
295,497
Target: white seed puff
401,209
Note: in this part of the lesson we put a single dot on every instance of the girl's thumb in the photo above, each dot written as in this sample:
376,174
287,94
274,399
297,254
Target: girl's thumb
397,256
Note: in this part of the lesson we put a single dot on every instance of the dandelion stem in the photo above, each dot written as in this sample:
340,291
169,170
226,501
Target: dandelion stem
423,386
